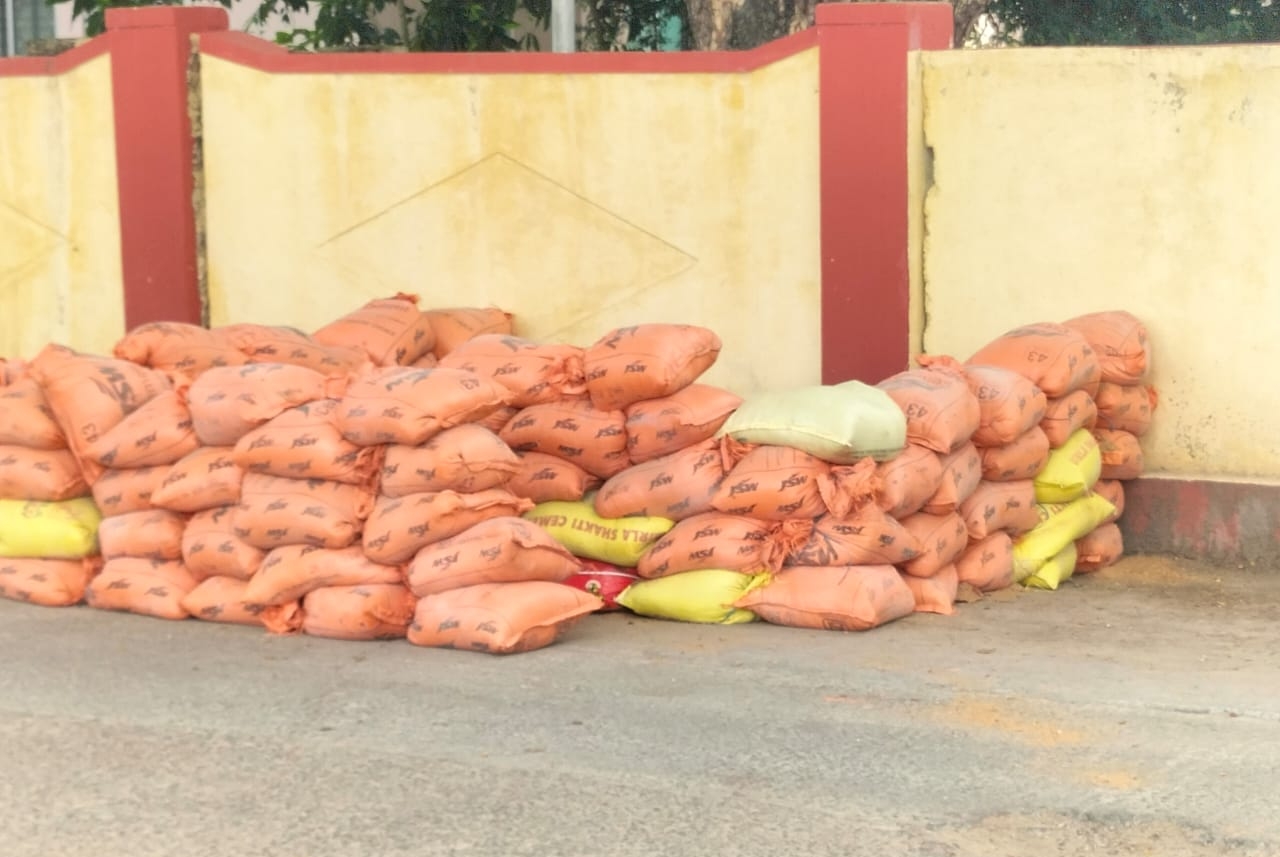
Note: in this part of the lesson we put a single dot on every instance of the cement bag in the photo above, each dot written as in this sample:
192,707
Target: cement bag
937,593
226,404
1068,415
542,478
838,598
1126,408
466,459
705,596
841,424
211,548
648,361
730,542
426,361
1111,490
304,443
206,479
49,475
987,565
907,481
177,348
497,421
1008,506
287,345
1008,403
942,413
575,430
867,537
283,619
153,534
1120,340
66,530
1099,549
1121,453
11,371
1061,524
1055,358
411,406
289,573
221,599
148,587
961,475
46,582
159,432
400,527
778,483
374,611
942,538
500,550
621,541
120,492
499,618
603,580
1071,471
391,331
676,486
534,374
1022,459
275,512
661,427
1056,569
26,418
453,327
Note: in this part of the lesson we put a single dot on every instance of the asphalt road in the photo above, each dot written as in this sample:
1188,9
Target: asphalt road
1135,712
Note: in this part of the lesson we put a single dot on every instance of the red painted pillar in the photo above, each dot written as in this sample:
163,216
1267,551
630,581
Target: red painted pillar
862,84
150,48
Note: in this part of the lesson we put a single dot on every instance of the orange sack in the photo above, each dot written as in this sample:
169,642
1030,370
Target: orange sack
832,598
1067,415
935,594
942,413
660,427
535,374
371,611
159,432
1055,358
391,331
867,537
120,492
1111,490
178,348
410,406
304,443
221,599
675,487
942,538
11,371
575,430
1008,403
292,347
994,506
908,480
729,542
498,420
987,565
649,361
282,618
40,474
1099,549
499,550
1122,456
426,361
961,473
275,512
211,548
1022,459
148,587
500,618
455,326
543,478
153,534
1126,408
206,479
1120,340
46,582
26,418
400,527
776,483
226,404
290,572
464,458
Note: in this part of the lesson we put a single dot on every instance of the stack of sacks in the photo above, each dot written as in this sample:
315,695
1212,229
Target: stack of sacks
48,523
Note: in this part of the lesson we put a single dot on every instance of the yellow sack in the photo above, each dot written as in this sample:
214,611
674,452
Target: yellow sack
585,534
1060,525
66,530
1059,568
694,596
1072,470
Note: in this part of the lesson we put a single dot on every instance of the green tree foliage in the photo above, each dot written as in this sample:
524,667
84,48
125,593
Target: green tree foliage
1134,22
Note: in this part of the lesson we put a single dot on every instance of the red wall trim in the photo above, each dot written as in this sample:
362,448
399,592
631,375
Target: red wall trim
59,64
862,81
